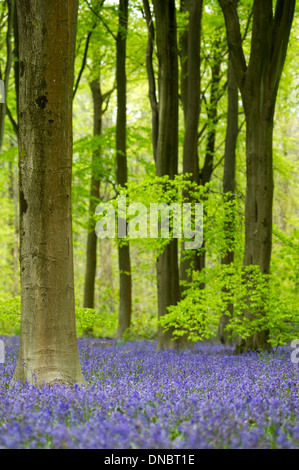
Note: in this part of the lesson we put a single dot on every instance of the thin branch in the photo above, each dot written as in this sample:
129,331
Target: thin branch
13,122
241,126
247,26
106,98
214,101
239,195
217,164
101,18
200,134
283,19
84,59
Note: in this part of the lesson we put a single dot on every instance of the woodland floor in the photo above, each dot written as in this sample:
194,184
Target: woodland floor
138,398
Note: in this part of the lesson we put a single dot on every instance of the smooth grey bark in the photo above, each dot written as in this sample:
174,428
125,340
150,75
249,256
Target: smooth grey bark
91,249
167,154
206,171
124,262
232,131
258,82
190,93
212,111
48,344
151,75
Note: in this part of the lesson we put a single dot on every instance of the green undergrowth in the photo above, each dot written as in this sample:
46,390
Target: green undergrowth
97,323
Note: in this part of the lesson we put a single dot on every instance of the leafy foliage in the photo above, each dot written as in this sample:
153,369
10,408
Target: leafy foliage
259,304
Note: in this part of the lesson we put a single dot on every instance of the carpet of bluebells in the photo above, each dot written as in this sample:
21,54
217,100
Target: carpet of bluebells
138,398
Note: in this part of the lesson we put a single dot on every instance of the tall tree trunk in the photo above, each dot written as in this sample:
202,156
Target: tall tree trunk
190,92
91,250
14,196
48,346
167,153
16,289
125,277
258,83
9,58
206,171
16,59
258,208
232,131
14,169
151,76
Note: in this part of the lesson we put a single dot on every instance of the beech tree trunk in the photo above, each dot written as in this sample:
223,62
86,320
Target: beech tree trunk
124,262
151,75
48,345
91,250
190,92
258,207
167,153
232,131
205,173
258,83
16,57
